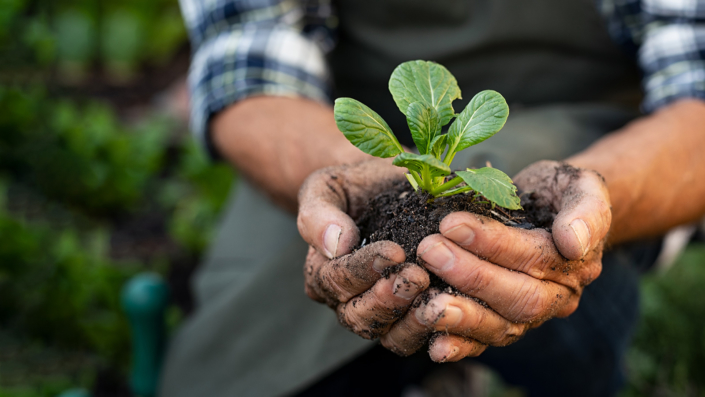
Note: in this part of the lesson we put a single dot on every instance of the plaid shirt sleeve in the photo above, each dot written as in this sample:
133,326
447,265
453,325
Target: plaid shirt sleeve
672,54
244,48
668,39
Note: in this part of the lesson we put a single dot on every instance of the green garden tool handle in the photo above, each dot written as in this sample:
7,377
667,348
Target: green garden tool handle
144,299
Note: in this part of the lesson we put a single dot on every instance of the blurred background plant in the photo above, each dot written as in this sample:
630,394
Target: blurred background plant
99,180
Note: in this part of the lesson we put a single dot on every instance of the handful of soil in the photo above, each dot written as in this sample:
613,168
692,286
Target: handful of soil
406,217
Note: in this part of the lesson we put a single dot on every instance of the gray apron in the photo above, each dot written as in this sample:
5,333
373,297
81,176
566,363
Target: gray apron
255,333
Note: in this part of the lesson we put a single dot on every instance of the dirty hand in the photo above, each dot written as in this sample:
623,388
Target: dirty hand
353,284
524,277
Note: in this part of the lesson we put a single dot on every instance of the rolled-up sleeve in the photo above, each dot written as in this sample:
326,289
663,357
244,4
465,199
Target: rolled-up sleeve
672,53
244,48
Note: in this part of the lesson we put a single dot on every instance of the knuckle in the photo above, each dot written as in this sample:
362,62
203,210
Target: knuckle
605,213
597,270
534,263
389,343
597,176
303,216
494,246
473,280
326,279
351,320
532,305
603,208
369,315
569,308
404,338
512,333
385,309
477,321
593,272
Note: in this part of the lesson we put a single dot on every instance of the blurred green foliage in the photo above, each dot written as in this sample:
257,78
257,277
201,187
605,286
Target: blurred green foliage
88,199
117,36
78,155
76,170
70,174
668,354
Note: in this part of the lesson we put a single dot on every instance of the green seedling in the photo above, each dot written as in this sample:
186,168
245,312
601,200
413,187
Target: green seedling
424,91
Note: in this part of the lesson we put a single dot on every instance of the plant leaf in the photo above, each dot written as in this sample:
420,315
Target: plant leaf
426,82
484,116
416,162
365,129
424,124
438,146
494,184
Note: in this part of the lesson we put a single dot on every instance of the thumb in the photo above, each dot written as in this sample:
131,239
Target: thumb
322,219
584,217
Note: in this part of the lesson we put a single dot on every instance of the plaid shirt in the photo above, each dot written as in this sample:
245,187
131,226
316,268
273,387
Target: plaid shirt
277,47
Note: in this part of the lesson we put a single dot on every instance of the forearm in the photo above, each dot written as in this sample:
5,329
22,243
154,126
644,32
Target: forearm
276,142
654,169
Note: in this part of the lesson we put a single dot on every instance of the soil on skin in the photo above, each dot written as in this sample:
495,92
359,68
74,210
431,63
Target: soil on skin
406,217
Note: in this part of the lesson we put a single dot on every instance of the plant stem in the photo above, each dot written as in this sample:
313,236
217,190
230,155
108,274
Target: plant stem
456,191
426,175
449,155
448,185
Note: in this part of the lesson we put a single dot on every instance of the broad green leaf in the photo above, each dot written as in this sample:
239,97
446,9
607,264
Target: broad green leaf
424,124
494,184
427,82
438,146
416,162
484,116
365,129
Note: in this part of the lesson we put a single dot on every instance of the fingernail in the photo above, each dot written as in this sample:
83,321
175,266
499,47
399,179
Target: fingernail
438,257
451,316
379,264
454,352
582,233
420,314
404,288
331,239
461,234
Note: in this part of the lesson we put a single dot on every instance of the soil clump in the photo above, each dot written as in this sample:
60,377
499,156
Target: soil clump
406,217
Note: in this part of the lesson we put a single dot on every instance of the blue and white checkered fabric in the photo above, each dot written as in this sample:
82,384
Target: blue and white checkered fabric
277,47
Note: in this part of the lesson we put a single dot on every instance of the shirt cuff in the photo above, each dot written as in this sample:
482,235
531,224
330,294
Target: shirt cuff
238,64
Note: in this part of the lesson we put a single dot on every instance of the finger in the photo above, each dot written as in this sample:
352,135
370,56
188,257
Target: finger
408,335
514,295
459,315
445,348
340,279
584,217
529,251
322,218
314,261
372,313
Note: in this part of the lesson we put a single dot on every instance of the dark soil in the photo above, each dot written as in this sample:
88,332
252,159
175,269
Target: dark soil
407,217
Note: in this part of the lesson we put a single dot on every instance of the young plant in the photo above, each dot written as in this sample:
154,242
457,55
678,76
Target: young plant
424,91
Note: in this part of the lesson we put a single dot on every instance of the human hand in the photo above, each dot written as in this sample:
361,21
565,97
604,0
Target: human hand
524,277
372,287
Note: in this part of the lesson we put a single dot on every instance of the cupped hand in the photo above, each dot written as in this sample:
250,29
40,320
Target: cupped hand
510,280
373,286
